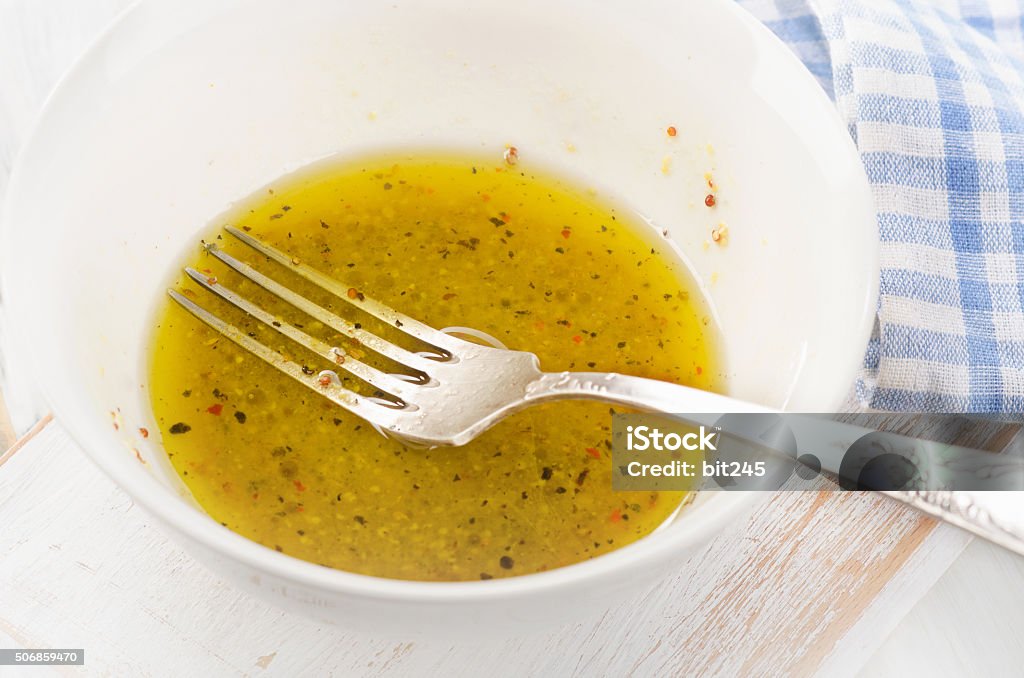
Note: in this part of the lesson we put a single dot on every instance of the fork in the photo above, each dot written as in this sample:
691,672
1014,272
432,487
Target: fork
458,390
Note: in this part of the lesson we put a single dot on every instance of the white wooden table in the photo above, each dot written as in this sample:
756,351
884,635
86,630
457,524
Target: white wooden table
811,583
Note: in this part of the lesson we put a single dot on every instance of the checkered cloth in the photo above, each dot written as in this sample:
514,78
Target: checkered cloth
933,93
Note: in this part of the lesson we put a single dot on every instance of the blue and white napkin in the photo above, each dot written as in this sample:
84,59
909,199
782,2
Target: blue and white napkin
933,93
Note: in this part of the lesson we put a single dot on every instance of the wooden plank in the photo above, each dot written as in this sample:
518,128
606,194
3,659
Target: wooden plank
7,435
24,440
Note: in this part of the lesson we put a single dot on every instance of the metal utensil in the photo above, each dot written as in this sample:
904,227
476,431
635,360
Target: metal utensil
458,389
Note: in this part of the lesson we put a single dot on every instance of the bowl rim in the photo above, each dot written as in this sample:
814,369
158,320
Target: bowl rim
705,517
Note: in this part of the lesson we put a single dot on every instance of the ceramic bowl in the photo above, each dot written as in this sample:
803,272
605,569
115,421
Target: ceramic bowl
185,106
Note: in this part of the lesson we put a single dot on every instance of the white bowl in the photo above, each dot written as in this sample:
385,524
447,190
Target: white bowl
184,107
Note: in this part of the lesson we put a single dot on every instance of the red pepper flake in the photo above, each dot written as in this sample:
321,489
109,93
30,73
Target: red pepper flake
539,325
616,516
212,280
593,452
671,131
144,432
577,339
505,217
566,233
255,495
710,200
700,370
215,409
299,486
511,155
353,293
324,380
300,509
449,296
485,197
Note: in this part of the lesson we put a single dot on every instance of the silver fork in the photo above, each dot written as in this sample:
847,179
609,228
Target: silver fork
460,390
463,388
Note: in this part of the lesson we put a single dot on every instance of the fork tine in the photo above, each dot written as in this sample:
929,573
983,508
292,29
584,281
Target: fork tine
349,400
410,326
367,373
368,339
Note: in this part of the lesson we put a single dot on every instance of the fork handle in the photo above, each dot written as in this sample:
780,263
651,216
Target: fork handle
646,394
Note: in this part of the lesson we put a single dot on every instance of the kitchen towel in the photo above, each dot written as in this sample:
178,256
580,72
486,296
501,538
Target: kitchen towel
933,94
